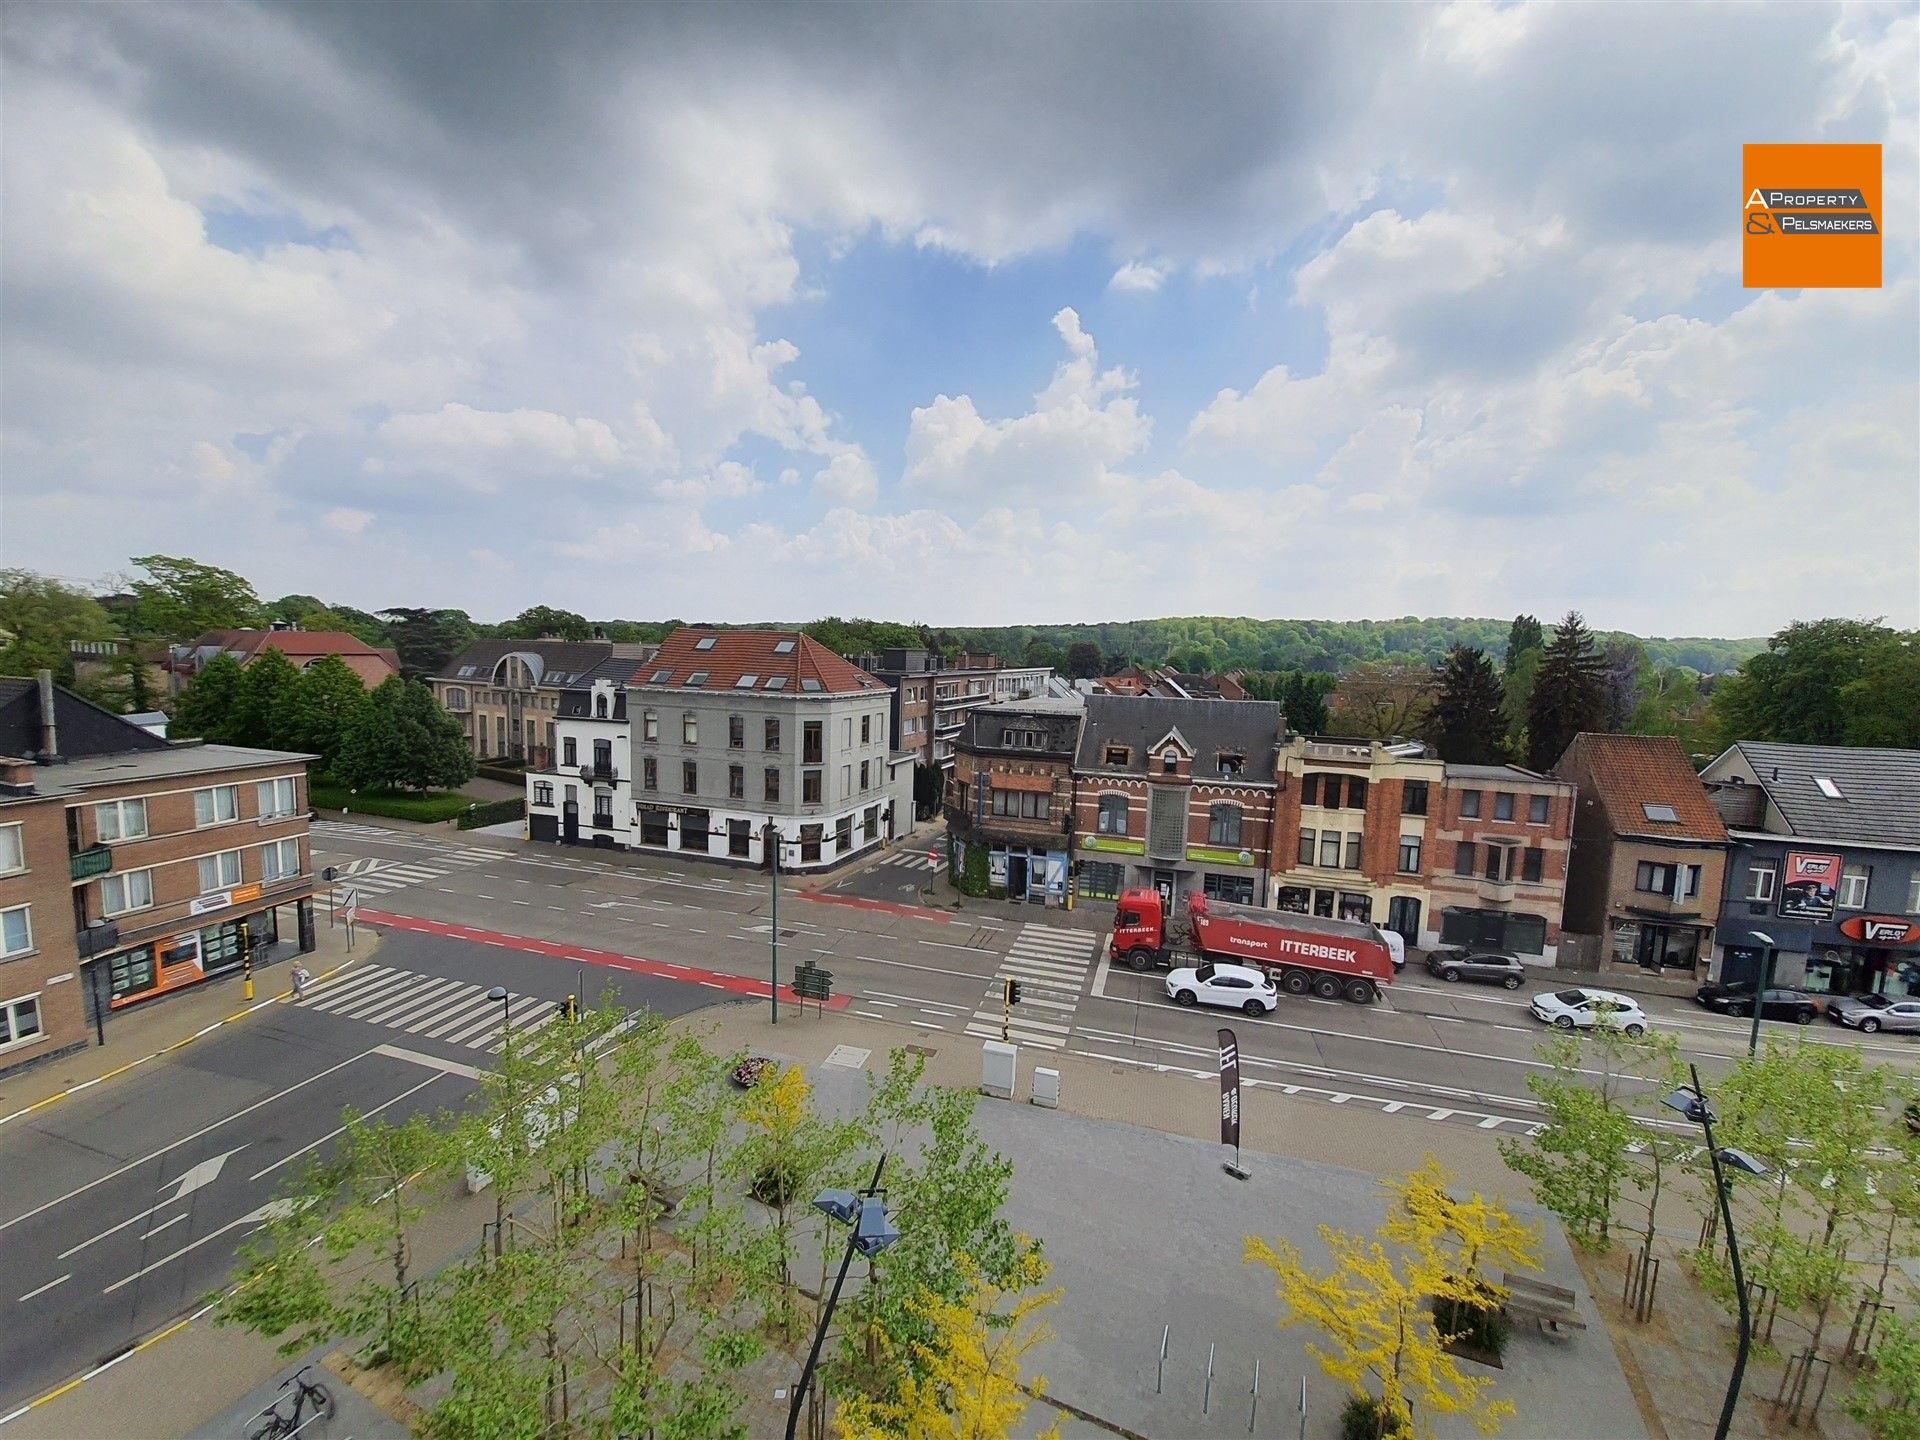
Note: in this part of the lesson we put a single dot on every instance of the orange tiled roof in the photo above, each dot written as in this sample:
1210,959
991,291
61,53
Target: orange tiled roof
727,656
1632,772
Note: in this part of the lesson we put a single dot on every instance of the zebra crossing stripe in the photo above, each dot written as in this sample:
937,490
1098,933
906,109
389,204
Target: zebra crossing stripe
459,1017
443,1010
345,983
355,987
373,996
471,1030
411,1007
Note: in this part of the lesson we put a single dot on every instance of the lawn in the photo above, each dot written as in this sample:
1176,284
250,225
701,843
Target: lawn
394,804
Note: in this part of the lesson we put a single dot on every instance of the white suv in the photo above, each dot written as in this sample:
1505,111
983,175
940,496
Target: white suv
1584,1009
1237,987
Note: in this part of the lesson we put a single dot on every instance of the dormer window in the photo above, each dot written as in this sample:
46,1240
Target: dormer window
1117,756
1169,761
1231,764
600,707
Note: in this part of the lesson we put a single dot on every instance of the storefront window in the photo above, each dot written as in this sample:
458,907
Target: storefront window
1100,881
1237,889
1295,898
131,972
1355,907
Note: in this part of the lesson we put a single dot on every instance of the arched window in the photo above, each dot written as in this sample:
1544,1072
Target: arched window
1223,826
1113,814
600,706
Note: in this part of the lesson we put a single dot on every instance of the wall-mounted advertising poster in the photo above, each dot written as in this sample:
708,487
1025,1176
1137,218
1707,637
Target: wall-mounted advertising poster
1808,887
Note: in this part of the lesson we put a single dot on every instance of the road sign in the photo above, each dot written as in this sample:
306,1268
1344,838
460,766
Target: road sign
353,905
933,857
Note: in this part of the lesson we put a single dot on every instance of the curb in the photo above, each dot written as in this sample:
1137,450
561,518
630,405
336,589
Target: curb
181,1043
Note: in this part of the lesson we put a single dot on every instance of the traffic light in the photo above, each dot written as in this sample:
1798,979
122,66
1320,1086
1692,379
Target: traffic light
1013,992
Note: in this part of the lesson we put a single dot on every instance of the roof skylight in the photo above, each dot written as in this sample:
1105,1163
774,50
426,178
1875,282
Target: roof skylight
660,677
697,678
1828,788
810,685
783,647
705,642
746,682
776,682
1665,813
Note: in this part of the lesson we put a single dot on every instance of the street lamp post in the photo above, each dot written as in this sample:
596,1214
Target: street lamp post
1692,1103
770,846
872,1233
1760,990
499,993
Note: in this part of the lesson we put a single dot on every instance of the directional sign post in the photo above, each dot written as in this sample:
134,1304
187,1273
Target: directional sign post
352,913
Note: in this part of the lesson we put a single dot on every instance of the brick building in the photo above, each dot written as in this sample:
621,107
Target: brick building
1649,854
506,693
1011,793
301,647
1178,795
1500,841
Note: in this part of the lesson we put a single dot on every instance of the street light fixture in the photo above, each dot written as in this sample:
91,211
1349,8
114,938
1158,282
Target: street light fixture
872,1233
499,992
1691,1102
1769,946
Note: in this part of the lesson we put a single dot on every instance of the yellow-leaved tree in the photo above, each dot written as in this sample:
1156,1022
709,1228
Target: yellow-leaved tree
966,1382
1451,1245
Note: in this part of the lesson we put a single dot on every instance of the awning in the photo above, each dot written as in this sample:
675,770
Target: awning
1034,784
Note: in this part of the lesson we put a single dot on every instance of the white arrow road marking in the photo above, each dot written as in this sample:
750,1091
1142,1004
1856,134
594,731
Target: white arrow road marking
194,1177
272,1210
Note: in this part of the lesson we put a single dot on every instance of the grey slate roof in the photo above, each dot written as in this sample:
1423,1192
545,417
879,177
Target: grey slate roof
1242,727
577,701
1500,772
1881,790
556,662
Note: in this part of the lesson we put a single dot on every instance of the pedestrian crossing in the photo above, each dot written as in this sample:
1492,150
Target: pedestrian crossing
430,1006
1051,963
912,860
382,877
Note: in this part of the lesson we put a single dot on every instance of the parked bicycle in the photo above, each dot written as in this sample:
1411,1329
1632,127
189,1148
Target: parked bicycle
275,1424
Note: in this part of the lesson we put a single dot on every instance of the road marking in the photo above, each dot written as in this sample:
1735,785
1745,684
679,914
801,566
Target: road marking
888,1004
432,1062
272,1210
924,1024
338,1129
43,1289
164,1224
946,945
184,1140
194,1177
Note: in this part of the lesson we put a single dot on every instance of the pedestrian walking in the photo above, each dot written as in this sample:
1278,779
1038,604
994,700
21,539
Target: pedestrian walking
300,978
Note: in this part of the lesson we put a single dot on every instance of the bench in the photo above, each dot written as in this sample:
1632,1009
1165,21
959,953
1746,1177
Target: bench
1551,1306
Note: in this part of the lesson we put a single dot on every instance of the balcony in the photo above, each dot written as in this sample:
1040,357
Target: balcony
600,774
89,864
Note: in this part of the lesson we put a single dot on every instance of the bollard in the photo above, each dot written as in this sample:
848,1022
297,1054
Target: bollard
1160,1378
1206,1399
1254,1409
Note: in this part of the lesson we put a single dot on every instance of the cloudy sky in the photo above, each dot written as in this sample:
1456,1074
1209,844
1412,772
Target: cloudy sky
961,314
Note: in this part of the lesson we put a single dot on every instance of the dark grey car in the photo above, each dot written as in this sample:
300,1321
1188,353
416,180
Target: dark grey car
1489,967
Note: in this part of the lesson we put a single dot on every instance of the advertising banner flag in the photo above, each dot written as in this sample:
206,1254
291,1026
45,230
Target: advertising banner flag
1808,888
1230,1091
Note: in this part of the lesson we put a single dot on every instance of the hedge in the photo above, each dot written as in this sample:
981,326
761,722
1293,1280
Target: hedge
393,804
505,774
496,812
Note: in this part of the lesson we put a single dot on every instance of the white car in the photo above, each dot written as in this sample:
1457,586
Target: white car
1582,1009
1237,987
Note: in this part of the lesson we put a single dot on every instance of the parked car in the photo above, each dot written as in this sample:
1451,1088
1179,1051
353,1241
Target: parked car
1876,1012
1779,1003
1237,987
1582,1009
1490,967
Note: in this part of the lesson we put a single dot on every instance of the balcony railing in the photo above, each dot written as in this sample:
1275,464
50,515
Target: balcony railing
86,864
601,774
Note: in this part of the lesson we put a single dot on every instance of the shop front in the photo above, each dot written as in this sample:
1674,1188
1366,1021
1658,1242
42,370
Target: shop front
1870,954
1662,947
1508,931
1030,873
1325,901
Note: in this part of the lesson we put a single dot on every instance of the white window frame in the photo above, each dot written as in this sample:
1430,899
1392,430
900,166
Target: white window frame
25,912
214,792
1913,893
650,725
1852,897
267,792
14,861
108,908
689,728
274,854
1762,878
119,810
12,1031
218,861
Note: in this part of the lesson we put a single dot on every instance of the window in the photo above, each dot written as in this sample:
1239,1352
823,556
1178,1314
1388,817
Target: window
1409,854
812,742
846,733
783,647
866,729
649,773
1223,826
570,751
1503,805
1306,847
219,871
19,1020
810,788
1828,788
1665,814
216,806
690,777
280,860
870,823
1536,809
456,699
746,682
1356,793
13,854
1021,804
1113,815
1532,866
650,726
696,828
1413,797
130,891
1660,879
810,842
736,732
1853,887
846,781
276,797
16,931
772,778
1470,804
705,642
1463,858
864,764
1499,862
1330,849
116,820
843,835
1353,851
1763,876
1234,889
690,729
1100,880
739,836
543,792
1330,792
773,733
1170,761
696,679
736,782
1310,790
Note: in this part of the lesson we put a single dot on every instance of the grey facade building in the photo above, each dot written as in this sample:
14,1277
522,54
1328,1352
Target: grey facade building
717,736
1825,865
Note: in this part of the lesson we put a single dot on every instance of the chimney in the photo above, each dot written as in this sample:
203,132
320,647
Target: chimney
49,740
16,776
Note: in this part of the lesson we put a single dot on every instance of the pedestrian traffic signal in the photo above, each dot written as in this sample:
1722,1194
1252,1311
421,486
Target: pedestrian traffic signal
1013,992
573,1009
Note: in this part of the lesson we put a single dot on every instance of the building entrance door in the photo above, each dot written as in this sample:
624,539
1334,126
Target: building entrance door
1164,882
1403,918
570,823
1016,877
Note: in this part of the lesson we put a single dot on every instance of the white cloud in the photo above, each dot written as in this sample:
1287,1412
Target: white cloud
346,520
847,479
1138,277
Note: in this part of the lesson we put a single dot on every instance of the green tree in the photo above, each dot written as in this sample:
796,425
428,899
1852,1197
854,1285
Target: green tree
1886,1397
1465,724
403,740
1523,637
427,639
1303,695
539,621
1883,703
1083,660
1795,692
209,708
41,618
1569,693
1625,678
263,705
322,708
179,599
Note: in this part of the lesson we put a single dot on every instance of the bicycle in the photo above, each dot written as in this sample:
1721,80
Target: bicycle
276,1426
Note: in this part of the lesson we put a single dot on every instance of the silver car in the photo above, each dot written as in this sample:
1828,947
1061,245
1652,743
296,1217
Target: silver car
1876,1012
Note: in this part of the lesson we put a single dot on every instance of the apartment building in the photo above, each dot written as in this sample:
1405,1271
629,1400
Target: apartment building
1501,840
716,738
1178,795
1649,854
506,693
1011,793
932,696
131,866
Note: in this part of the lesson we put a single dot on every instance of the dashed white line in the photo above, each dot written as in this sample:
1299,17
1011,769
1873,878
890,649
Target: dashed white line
44,1288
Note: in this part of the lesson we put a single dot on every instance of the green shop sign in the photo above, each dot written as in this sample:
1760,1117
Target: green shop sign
1113,844
1218,857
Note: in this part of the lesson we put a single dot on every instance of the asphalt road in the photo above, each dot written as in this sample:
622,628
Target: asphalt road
122,1209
